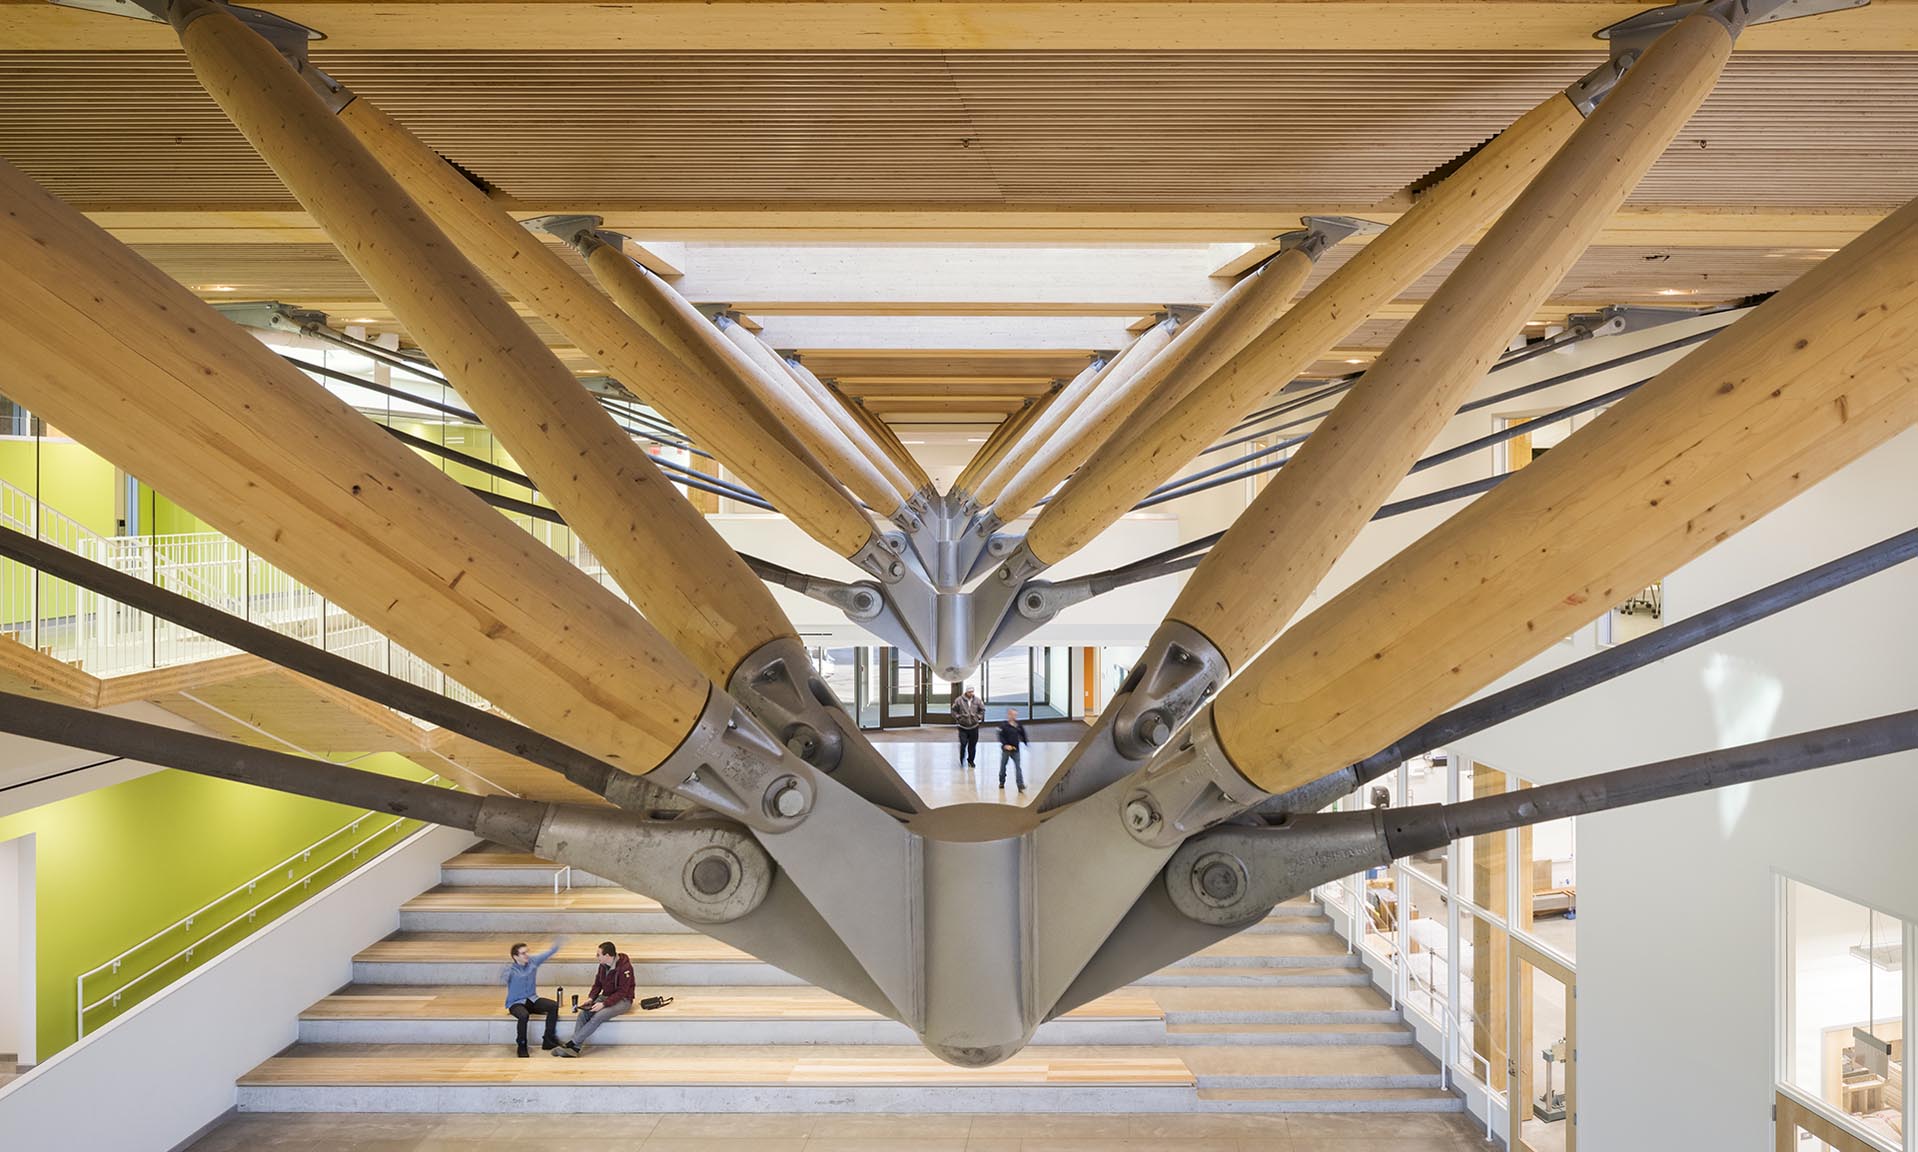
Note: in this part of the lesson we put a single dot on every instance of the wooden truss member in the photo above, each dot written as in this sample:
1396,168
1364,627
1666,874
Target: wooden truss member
714,408
1001,438
1261,572
1201,345
881,432
1136,459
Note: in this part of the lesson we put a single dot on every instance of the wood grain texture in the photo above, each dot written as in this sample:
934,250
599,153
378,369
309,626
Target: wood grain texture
1161,444
1258,576
690,585
827,438
537,275
1045,425
808,493
1804,384
1253,305
130,364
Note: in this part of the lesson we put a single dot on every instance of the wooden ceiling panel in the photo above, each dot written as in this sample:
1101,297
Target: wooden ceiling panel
1209,129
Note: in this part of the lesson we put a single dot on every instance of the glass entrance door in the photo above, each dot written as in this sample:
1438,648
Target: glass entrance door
902,699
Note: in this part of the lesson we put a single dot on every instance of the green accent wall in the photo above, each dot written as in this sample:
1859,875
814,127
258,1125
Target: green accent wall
120,863
68,478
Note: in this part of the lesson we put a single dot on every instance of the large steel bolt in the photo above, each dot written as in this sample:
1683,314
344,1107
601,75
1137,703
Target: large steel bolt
803,743
711,876
1219,879
1152,728
1141,815
786,798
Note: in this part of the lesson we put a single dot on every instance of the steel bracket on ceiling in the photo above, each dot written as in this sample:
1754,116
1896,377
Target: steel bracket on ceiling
1638,31
1322,233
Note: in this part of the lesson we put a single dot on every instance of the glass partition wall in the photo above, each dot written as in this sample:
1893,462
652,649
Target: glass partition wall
1476,941
1843,992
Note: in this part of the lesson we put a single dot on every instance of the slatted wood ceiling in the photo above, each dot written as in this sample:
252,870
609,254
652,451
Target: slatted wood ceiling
1211,128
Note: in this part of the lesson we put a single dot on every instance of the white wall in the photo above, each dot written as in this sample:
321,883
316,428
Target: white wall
1677,908
184,1070
17,942
33,773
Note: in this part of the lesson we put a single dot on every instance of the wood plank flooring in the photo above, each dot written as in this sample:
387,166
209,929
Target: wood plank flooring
467,1002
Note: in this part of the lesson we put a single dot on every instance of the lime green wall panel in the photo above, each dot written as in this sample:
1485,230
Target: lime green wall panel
117,864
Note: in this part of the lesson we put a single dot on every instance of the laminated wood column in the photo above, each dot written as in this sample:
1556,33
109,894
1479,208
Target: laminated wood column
1162,387
665,313
1137,460
687,580
881,434
826,437
1266,566
1199,348
1806,383
719,414
1043,424
855,429
1002,438
1066,447
131,364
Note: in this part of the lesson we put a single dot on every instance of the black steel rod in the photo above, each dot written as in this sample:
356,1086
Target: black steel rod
487,728
1634,654
374,352
1525,427
1578,373
687,476
228,760
1765,760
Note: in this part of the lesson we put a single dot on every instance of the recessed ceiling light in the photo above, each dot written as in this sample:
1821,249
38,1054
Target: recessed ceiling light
1356,360
912,441
969,440
362,320
1676,291
216,288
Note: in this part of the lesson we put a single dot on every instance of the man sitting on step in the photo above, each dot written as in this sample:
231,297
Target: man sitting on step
522,994
612,995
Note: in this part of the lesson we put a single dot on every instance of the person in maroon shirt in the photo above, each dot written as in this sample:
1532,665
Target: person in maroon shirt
612,996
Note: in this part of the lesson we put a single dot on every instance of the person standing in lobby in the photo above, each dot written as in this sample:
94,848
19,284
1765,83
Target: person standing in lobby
968,712
1012,735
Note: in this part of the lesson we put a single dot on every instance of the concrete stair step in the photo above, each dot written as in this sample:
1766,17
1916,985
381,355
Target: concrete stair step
679,1078
499,868
478,958
1312,1035
595,911
1246,975
797,1015
1328,1100
1364,1066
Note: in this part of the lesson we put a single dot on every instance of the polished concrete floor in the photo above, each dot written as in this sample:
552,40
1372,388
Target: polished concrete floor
847,1133
933,770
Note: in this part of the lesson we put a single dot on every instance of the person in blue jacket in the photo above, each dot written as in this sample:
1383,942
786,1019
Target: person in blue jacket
522,994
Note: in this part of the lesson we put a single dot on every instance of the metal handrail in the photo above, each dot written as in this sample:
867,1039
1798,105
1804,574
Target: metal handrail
1455,1023
566,871
81,1006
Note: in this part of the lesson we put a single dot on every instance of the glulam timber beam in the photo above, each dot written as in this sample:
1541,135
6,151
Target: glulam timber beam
1266,566
728,421
1201,346
1804,384
835,438
1043,424
1160,444
1674,226
130,364
655,544
770,25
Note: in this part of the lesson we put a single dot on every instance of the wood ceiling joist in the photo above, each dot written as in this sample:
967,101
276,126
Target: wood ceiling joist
1403,25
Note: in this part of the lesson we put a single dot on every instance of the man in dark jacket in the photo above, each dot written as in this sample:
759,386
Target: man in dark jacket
1011,735
612,996
968,711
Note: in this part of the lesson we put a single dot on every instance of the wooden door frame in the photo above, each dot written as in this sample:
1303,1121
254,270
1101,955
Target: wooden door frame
1518,1095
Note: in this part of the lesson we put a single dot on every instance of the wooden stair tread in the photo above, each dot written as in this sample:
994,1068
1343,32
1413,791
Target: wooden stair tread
487,899
1308,1060
402,1065
466,1002
1275,944
493,947
1333,998
1378,1029
1316,1095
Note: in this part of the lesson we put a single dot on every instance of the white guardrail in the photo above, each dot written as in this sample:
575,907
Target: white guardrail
247,915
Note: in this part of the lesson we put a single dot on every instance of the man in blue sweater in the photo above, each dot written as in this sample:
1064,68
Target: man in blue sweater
522,994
